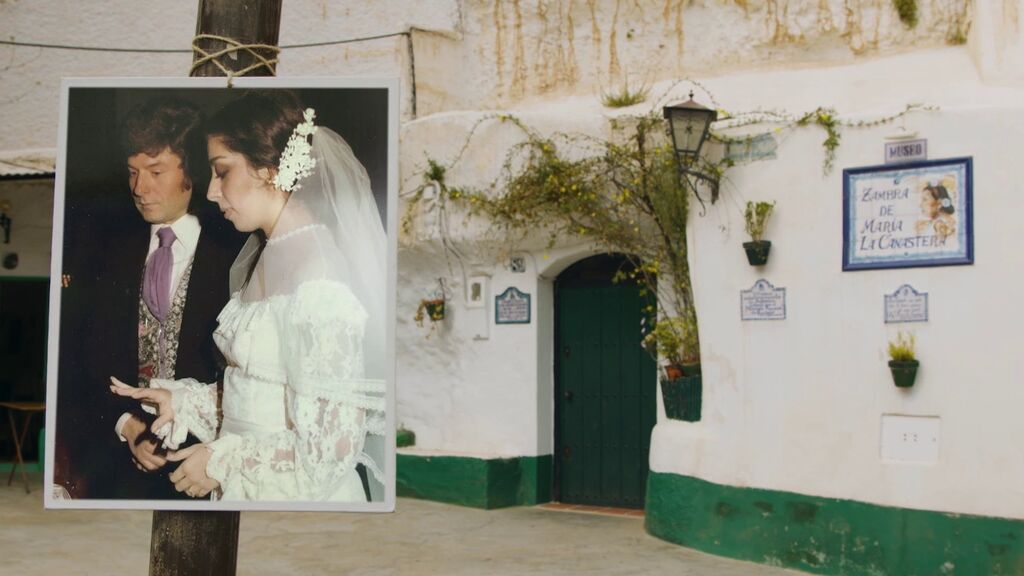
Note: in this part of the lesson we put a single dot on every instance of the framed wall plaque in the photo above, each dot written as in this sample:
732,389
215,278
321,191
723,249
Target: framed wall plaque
908,215
512,307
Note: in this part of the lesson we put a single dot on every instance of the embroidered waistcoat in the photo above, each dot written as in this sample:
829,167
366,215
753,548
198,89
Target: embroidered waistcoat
158,341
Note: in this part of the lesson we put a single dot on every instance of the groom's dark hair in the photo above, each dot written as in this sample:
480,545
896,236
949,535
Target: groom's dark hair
174,124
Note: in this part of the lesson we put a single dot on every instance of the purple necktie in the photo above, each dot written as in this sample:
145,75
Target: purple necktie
156,284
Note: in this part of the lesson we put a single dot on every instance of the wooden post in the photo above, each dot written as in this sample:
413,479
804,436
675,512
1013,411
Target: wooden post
206,543
246,21
200,543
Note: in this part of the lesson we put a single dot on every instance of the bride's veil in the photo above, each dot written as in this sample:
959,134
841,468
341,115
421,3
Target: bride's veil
336,196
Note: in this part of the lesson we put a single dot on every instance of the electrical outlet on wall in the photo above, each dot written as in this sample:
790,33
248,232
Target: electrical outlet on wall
910,438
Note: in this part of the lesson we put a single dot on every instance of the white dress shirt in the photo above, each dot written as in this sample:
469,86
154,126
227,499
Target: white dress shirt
186,229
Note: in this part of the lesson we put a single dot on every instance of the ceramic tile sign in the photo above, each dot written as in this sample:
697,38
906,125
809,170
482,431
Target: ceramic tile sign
761,147
908,215
906,151
512,307
906,305
763,302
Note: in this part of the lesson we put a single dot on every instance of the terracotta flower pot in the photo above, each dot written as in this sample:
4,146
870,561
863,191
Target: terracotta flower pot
673,371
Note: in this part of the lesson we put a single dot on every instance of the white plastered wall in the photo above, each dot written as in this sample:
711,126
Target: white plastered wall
790,405
796,404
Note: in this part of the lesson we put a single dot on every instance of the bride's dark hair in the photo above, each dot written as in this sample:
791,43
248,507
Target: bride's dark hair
258,125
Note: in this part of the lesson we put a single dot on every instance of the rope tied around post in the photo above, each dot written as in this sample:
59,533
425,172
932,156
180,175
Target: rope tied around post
231,49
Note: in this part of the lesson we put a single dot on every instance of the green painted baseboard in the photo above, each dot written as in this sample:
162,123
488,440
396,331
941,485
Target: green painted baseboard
31,467
829,536
476,482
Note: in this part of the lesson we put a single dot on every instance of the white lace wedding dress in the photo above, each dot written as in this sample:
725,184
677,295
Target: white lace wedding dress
296,407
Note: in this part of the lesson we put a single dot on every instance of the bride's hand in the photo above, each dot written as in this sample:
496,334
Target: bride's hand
160,399
190,477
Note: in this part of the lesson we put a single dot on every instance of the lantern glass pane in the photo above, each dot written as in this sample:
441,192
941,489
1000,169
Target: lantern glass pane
687,129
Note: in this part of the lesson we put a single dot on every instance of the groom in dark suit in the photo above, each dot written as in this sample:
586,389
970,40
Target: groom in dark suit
162,282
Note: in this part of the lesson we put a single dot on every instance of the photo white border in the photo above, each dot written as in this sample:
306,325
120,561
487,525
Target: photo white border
56,267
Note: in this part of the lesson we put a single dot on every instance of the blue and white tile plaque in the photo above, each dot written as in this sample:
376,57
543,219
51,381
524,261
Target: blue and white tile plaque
906,305
512,307
763,302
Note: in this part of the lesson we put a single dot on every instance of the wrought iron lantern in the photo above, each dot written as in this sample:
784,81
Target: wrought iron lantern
689,124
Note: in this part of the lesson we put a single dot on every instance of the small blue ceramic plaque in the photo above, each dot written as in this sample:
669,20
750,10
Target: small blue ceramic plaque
906,305
512,307
763,302
760,147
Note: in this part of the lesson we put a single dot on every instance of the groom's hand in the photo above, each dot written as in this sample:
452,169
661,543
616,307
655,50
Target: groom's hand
156,397
144,446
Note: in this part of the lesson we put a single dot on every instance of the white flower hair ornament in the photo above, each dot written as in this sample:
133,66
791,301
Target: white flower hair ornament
946,203
296,162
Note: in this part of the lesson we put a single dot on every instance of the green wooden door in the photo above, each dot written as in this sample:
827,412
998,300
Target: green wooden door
605,404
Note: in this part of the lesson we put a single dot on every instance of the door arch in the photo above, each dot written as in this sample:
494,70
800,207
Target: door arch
605,386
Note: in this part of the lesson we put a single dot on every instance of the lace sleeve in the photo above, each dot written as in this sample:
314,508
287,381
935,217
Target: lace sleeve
195,410
330,406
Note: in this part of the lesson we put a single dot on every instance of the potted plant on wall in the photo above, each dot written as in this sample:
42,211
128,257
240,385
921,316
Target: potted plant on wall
902,363
756,217
432,308
674,341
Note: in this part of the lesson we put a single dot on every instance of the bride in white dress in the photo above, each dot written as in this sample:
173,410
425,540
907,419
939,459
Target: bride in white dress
303,333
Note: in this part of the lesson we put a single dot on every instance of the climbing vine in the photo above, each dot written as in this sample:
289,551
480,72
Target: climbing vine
825,118
624,194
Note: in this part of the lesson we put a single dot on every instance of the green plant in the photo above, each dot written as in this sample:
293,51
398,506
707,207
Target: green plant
907,11
435,172
756,217
434,176
624,96
674,339
828,120
902,349
404,437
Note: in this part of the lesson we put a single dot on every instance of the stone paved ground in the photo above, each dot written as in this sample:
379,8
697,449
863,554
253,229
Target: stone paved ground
420,538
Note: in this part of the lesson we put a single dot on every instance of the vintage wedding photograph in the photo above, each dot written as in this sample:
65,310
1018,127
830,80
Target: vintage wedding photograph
222,334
